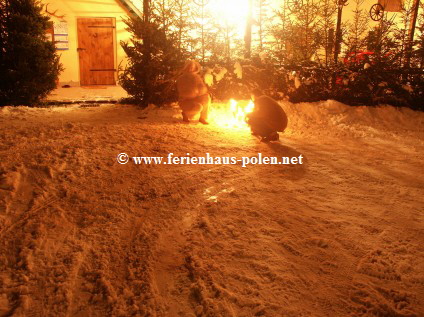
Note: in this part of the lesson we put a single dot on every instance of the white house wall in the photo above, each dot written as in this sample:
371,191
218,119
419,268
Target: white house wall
73,9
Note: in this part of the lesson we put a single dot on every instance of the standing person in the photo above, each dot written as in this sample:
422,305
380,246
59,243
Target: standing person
193,96
267,118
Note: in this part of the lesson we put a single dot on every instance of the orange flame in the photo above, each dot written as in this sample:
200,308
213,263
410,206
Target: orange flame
233,114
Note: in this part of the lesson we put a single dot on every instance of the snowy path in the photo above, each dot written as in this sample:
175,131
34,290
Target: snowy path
340,235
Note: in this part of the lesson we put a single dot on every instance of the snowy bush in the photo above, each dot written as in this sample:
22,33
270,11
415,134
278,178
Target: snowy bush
239,82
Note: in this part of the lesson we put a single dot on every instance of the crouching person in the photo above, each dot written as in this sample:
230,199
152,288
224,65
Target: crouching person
193,96
267,118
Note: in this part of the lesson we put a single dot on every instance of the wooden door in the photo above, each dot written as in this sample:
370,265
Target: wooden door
96,51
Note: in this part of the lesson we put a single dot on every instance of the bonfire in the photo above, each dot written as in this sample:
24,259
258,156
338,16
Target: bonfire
233,113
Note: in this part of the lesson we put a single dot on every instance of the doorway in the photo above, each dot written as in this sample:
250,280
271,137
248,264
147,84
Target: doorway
96,51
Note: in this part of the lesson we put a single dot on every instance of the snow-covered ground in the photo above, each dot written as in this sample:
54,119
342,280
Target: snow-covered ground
340,235
91,93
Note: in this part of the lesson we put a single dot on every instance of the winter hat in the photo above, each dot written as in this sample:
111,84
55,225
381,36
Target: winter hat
191,66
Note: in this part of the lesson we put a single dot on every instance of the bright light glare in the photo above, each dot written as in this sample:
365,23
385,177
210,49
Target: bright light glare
231,12
233,105
232,114
250,106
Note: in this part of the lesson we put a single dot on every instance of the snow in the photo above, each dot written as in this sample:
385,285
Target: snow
339,235
84,93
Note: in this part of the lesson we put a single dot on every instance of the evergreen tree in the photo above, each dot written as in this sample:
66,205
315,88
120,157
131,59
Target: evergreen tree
163,10
280,31
304,37
356,37
29,65
184,22
419,53
214,44
203,18
262,18
326,24
381,41
153,59
401,32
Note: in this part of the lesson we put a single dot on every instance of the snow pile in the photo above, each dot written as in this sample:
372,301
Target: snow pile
332,117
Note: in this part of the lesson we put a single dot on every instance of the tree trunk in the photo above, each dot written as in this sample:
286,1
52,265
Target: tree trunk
260,25
248,33
410,43
147,51
338,38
